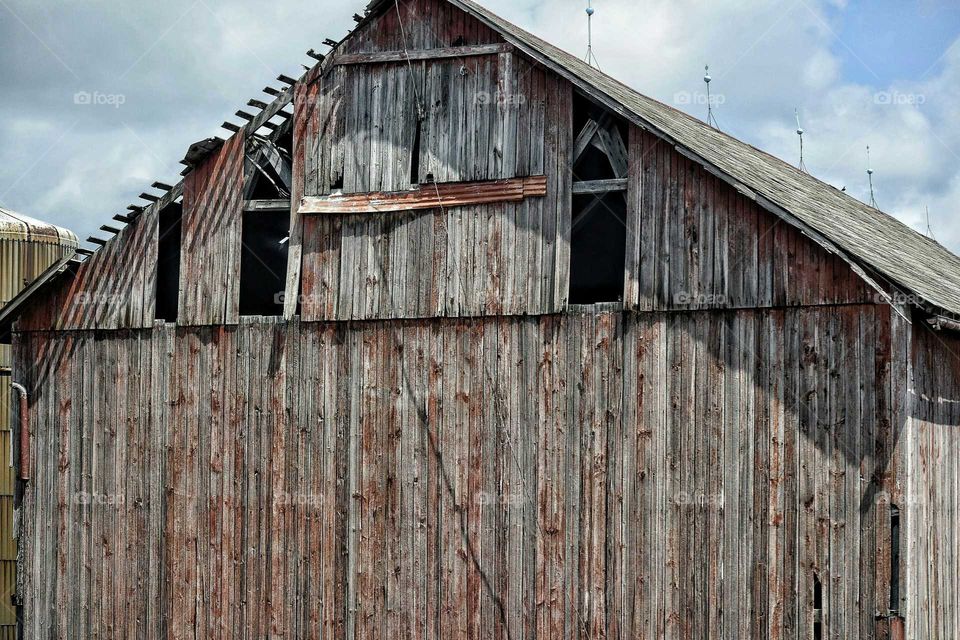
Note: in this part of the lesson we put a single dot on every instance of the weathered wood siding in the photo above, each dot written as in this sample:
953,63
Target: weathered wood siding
501,118
694,242
933,504
114,289
210,249
611,475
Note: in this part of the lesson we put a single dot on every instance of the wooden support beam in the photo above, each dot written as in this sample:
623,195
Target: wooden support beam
613,146
270,125
319,57
259,104
599,186
229,126
330,42
430,196
423,54
135,208
109,229
95,240
122,218
286,80
243,114
584,138
357,18
163,186
267,205
85,252
272,91
149,197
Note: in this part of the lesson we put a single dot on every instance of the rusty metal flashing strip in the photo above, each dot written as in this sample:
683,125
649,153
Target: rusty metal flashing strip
429,196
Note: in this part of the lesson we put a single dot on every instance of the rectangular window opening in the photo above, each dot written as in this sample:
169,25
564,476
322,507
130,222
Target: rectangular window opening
598,238
263,262
168,263
598,246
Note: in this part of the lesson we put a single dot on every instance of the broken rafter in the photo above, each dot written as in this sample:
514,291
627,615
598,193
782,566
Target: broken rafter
330,42
599,186
430,196
319,57
423,54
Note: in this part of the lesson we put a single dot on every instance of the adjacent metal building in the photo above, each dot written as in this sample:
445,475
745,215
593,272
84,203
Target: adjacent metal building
27,248
460,337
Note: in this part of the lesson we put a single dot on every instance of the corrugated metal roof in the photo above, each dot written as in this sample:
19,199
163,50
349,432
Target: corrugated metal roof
16,226
878,241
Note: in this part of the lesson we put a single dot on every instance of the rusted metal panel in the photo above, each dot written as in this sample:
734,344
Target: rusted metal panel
430,196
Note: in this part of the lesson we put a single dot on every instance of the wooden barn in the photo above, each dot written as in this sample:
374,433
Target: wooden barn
459,337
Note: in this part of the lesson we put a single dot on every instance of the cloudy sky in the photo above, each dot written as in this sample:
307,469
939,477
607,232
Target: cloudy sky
884,73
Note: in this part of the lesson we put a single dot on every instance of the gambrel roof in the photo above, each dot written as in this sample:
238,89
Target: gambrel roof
866,236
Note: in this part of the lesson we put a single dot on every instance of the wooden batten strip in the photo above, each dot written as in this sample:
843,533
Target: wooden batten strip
600,186
423,54
430,197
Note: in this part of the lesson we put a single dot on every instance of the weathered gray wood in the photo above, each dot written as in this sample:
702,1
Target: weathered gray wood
422,54
599,186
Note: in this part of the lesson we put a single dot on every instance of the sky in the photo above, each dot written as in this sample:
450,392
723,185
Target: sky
100,98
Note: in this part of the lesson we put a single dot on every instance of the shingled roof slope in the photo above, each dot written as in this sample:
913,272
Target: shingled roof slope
877,241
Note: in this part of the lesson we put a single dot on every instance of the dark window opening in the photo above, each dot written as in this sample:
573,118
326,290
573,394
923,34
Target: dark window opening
894,559
168,263
817,608
598,246
598,238
263,262
415,155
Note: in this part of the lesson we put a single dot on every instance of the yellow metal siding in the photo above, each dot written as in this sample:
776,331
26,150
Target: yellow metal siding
24,255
